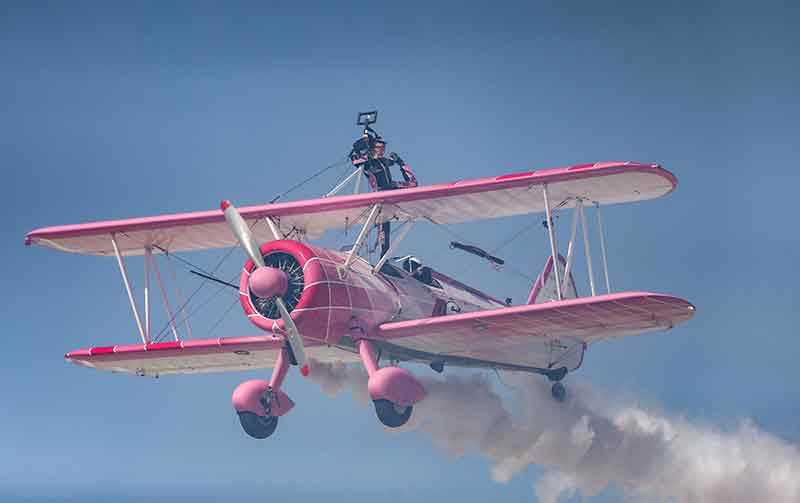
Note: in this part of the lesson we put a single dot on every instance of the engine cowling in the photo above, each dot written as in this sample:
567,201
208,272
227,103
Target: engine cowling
324,300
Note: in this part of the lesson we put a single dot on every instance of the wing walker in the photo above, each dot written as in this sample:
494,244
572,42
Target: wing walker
313,304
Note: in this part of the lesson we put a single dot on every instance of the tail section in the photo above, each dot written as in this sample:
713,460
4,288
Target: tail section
544,290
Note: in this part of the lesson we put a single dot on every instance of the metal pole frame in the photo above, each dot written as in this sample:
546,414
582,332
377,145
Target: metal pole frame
124,273
362,235
357,188
552,234
344,182
602,233
587,247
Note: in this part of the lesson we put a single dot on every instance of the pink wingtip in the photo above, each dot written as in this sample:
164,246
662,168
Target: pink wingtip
305,370
224,204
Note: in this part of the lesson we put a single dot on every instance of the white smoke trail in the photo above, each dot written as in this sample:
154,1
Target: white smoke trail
593,440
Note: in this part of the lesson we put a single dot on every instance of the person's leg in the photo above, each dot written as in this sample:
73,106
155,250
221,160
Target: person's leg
386,229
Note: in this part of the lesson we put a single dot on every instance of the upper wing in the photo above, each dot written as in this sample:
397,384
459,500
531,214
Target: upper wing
605,183
198,355
544,335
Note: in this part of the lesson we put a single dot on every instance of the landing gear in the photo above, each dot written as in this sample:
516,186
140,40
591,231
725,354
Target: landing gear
256,426
393,390
558,391
259,403
392,415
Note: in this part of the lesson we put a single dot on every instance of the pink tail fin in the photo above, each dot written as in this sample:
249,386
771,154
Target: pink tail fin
544,290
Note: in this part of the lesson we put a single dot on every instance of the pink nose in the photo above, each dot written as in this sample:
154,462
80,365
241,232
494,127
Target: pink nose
266,282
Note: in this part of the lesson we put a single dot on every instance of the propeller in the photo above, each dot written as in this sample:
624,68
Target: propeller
267,282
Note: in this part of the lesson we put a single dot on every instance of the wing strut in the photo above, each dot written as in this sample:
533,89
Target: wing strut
570,250
552,234
602,245
148,256
586,247
128,288
274,229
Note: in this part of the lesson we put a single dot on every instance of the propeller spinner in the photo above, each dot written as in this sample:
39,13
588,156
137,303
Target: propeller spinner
267,282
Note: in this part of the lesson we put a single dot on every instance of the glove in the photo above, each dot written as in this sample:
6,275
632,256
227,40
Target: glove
396,158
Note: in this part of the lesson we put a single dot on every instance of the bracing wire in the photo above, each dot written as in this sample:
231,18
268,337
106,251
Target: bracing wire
305,181
222,318
190,264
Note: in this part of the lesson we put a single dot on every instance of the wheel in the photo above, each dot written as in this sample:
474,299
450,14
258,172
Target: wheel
256,426
558,391
392,415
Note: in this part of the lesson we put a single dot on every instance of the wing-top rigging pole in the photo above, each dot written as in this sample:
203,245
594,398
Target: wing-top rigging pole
357,185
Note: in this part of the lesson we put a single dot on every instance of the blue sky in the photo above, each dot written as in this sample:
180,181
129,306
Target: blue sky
132,110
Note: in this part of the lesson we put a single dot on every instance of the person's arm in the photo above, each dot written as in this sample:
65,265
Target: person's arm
408,175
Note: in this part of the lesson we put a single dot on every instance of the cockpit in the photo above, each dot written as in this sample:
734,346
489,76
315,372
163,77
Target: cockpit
413,266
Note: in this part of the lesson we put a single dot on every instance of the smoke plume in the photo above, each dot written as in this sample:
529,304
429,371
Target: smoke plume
592,440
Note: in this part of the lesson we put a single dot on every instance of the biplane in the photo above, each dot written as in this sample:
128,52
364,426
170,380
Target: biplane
313,304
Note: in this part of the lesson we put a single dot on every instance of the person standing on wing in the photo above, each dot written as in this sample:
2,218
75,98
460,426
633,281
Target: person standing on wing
369,153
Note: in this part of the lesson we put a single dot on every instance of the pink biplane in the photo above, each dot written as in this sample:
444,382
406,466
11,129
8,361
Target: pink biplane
319,305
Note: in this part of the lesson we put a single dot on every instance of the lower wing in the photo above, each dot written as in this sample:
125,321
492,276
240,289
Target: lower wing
533,337
550,335
198,355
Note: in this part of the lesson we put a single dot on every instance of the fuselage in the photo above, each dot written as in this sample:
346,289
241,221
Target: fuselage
337,301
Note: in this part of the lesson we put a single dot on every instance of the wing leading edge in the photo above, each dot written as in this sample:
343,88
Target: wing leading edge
604,183
197,355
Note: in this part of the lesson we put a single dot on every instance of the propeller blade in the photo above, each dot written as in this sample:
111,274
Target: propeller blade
293,337
242,232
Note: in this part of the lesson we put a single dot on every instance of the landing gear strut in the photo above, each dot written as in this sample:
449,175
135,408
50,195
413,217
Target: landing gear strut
393,390
259,403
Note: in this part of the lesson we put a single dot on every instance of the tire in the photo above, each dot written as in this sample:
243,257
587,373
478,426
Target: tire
389,415
558,391
256,426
